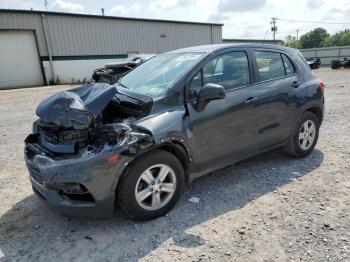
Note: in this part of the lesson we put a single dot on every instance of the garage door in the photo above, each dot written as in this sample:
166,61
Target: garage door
19,62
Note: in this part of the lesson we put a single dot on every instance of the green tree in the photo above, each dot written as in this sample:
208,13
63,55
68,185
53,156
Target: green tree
291,41
345,37
341,38
314,38
329,41
337,39
319,38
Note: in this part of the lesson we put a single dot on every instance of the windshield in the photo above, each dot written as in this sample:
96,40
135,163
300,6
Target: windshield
157,75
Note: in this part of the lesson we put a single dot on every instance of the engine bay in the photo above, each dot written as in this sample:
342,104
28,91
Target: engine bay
87,118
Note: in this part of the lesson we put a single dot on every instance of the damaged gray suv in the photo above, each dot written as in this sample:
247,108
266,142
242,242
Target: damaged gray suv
175,117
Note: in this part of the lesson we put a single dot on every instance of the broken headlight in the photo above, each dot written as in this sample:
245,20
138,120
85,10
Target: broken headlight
114,134
123,134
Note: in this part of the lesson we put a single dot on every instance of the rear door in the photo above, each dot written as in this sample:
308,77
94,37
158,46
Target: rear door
276,83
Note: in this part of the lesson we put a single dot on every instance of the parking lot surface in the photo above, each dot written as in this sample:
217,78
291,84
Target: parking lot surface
269,208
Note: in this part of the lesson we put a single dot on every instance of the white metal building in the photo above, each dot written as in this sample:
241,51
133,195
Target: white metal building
39,47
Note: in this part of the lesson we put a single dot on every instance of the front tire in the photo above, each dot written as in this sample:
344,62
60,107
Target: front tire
151,186
305,135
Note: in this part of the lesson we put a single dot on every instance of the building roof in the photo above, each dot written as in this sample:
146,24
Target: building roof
103,17
251,40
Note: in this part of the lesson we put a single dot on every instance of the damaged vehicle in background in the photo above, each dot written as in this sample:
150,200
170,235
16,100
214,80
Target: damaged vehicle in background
113,71
314,62
336,64
170,120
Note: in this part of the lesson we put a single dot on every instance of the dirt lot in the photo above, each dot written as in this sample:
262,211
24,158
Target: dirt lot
269,208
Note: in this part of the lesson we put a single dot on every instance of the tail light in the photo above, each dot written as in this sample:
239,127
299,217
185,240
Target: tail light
322,85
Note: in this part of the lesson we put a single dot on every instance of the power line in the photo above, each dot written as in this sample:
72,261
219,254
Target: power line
45,4
313,22
266,34
301,28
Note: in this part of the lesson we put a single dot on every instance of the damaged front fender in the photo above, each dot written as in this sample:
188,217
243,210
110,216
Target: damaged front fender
167,128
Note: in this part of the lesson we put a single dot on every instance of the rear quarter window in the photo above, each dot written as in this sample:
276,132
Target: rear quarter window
288,65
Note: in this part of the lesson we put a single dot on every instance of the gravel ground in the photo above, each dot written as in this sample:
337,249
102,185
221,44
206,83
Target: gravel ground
269,208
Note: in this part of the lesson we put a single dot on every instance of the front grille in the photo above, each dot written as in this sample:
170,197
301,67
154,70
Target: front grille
35,174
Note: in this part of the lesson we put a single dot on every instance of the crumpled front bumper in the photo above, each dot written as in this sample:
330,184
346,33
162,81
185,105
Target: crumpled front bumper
96,176
56,202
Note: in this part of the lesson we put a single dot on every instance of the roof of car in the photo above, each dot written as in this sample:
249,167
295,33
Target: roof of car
216,47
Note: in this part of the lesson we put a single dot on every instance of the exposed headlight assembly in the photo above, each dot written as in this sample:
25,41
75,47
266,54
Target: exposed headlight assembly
123,134
116,134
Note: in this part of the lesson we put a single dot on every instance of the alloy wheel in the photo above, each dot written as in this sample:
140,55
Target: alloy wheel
155,187
307,135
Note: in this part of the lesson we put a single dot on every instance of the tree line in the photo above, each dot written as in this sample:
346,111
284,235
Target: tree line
319,37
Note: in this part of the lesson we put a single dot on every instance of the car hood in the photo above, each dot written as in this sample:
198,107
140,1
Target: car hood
77,107
121,64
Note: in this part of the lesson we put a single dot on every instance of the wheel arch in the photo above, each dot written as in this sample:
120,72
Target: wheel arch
317,111
175,148
313,108
179,151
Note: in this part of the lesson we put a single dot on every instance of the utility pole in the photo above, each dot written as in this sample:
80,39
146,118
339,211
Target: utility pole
103,11
274,27
45,4
297,38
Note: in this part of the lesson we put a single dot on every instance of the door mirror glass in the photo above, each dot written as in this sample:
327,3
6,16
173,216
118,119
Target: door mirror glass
209,92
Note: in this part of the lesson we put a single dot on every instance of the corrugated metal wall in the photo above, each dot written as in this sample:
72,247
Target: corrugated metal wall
107,36
327,53
81,36
25,21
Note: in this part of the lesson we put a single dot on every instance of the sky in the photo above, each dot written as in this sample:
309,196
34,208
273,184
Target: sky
249,19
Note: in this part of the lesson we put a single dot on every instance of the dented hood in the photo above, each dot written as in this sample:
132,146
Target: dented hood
116,65
76,108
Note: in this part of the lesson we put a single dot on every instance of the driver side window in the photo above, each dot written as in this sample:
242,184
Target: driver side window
196,85
230,70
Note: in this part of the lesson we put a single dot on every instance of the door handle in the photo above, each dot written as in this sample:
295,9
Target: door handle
296,84
251,100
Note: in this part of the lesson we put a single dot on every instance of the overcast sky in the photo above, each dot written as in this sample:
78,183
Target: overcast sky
242,18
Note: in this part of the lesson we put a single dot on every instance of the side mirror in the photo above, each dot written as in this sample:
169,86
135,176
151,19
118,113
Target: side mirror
208,93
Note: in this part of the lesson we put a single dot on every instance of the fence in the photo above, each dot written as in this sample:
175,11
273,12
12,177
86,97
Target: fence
327,53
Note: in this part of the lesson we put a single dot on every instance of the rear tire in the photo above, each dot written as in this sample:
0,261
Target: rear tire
151,186
305,135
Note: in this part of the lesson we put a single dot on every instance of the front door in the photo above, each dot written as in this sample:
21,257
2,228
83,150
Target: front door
222,132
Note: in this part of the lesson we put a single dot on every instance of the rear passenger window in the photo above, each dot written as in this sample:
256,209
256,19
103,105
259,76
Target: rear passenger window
270,65
288,66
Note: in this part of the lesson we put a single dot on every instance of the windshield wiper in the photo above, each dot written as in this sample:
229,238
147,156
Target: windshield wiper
122,85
